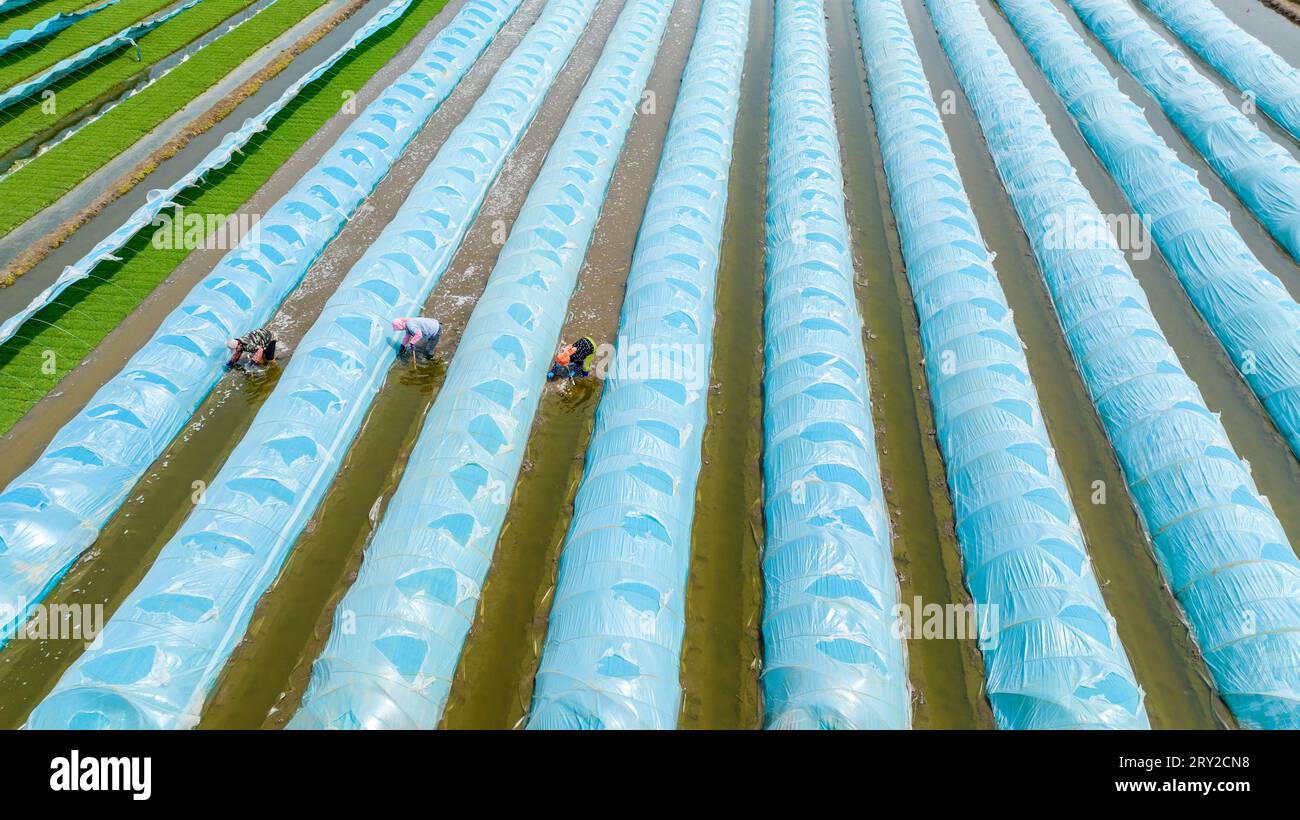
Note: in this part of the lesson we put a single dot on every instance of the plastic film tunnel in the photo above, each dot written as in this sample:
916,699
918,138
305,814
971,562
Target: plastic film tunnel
1052,656
1218,544
1245,306
833,657
418,588
1246,62
614,639
1259,171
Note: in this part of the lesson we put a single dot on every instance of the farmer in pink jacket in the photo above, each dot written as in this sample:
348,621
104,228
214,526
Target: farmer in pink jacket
420,335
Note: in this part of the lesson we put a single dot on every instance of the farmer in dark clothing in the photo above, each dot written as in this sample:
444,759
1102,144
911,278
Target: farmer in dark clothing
571,361
259,346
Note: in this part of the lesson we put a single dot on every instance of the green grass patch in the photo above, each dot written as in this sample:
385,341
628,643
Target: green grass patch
113,74
28,17
41,182
58,337
28,61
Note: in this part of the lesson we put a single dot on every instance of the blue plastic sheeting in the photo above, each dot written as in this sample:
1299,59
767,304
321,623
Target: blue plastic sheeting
87,56
162,199
161,653
48,28
1244,305
1246,62
1263,174
55,509
1221,549
833,655
418,590
614,641
1052,657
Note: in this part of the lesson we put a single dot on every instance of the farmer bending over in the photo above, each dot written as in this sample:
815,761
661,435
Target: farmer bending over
259,346
571,361
421,335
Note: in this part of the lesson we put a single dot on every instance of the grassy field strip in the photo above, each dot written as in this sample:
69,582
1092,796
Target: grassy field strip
49,176
72,326
49,27
163,200
16,18
32,118
29,62
35,240
78,63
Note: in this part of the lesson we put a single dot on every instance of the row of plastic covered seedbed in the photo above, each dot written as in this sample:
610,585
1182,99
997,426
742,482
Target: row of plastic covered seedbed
832,654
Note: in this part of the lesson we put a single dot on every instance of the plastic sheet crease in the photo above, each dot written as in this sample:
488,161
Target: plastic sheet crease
418,589
614,638
1052,656
1219,546
55,509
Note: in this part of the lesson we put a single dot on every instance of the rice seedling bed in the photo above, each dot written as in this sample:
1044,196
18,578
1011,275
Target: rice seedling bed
58,337
28,61
43,181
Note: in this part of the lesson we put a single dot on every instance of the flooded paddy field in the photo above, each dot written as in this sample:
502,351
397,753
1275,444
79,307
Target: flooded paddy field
287,643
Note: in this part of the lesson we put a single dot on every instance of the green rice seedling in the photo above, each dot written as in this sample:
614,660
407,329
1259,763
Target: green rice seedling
28,61
45,179
58,337
28,17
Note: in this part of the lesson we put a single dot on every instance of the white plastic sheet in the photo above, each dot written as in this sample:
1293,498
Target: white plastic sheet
1221,549
614,639
1052,656
418,589
55,509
